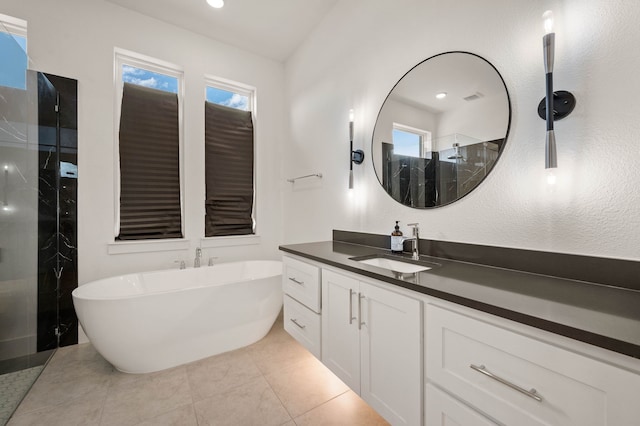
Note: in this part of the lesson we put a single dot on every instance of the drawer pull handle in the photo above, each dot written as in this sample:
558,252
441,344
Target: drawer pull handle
293,320
351,317
296,281
360,322
530,393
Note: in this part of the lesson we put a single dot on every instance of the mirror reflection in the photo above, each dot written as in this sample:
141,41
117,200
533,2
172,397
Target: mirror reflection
441,130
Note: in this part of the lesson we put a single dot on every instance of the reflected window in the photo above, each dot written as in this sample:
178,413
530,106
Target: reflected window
13,51
411,141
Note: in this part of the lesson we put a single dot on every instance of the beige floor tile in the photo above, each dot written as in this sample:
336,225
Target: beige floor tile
346,409
251,404
82,411
63,381
133,398
182,416
278,354
80,387
305,385
74,354
220,373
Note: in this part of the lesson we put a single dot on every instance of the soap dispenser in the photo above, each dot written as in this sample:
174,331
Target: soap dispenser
397,240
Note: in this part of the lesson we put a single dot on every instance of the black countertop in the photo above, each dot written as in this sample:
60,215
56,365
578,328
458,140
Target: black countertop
604,316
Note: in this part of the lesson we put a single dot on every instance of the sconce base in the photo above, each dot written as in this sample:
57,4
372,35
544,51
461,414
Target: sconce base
357,156
563,104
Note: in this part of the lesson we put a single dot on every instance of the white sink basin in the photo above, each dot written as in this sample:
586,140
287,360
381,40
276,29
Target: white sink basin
395,265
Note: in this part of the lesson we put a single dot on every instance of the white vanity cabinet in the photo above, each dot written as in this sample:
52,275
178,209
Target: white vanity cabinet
372,340
301,287
520,380
452,365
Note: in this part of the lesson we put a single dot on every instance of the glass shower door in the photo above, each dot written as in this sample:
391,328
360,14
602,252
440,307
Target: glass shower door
19,361
38,185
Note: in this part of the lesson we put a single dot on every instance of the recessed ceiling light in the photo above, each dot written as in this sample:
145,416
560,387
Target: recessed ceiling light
216,3
441,95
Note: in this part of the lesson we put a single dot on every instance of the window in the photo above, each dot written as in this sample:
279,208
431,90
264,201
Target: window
13,51
411,142
149,107
229,159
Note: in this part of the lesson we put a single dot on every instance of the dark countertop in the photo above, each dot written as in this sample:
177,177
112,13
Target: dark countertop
604,316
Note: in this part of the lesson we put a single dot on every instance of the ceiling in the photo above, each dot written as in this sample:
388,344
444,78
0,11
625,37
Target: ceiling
459,75
271,28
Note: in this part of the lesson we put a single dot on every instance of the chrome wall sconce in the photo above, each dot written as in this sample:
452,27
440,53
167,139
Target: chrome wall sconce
555,105
356,156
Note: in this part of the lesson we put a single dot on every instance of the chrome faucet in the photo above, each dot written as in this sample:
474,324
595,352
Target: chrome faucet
415,241
196,262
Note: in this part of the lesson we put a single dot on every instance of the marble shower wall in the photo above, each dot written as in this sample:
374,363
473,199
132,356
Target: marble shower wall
57,219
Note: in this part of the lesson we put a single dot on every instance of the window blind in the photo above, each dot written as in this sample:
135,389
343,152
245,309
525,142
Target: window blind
149,165
229,171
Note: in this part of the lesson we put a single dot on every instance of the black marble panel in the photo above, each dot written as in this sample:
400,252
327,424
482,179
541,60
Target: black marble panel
57,212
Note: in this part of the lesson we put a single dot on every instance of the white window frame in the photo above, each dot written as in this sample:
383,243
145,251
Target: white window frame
127,57
425,137
14,26
251,93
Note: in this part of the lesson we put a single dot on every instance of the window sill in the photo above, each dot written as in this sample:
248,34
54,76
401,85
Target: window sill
232,241
124,247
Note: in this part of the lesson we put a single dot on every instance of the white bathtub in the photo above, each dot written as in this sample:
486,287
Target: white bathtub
155,320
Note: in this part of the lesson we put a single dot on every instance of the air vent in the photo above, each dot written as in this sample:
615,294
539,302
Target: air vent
473,97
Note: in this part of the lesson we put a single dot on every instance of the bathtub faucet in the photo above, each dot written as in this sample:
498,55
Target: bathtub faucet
196,262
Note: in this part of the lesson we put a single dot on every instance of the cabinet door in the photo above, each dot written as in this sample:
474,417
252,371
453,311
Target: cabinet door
391,354
340,337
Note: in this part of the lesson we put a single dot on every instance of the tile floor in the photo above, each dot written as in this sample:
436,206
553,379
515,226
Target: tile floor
272,382
13,386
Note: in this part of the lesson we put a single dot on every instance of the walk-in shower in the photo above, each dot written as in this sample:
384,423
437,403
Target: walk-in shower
38,187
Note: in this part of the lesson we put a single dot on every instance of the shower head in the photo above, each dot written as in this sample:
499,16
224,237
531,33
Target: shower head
456,155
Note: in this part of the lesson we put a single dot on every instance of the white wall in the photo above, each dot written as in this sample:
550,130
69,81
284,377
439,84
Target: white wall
363,47
76,39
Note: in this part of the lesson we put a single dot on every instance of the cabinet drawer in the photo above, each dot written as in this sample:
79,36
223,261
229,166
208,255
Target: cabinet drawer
301,281
303,324
574,389
442,409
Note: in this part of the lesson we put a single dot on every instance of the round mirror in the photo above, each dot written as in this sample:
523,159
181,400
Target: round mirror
441,130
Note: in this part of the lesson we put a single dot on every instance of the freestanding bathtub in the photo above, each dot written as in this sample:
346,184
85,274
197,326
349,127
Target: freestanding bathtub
156,320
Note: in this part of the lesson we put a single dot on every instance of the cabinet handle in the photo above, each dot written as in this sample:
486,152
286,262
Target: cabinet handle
360,322
296,281
530,393
293,320
351,317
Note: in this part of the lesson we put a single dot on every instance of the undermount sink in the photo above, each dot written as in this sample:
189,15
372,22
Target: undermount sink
394,265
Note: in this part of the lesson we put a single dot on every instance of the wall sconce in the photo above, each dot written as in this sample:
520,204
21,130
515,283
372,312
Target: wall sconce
356,156
555,105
